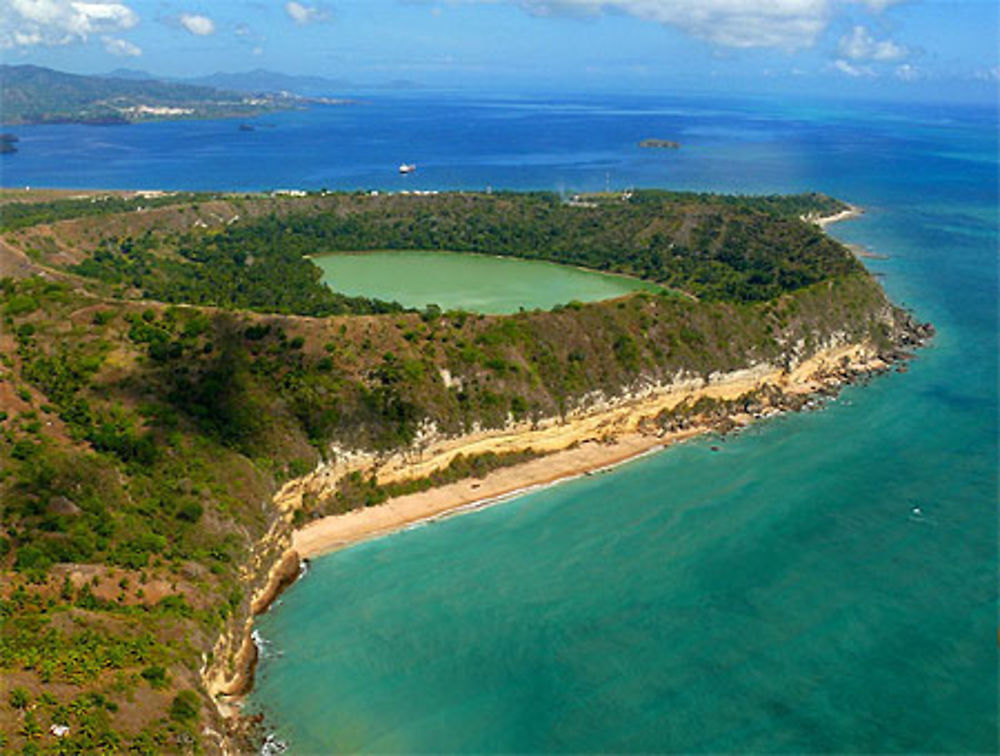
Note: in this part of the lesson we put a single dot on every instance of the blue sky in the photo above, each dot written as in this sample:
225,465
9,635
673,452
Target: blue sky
919,49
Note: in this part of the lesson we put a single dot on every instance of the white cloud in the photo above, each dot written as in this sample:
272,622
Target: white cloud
306,14
26,39
861,45
907,72
24,23
200,26
121,47
786,24
844,67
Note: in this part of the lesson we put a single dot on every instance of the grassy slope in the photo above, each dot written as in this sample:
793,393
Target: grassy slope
141,443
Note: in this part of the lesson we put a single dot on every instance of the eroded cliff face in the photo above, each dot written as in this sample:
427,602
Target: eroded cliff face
839,356
228,670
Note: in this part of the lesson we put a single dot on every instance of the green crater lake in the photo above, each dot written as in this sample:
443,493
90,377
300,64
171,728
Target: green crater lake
480,283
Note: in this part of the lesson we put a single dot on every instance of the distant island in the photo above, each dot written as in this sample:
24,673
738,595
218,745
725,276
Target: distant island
36,95
262,80
664,144
188,411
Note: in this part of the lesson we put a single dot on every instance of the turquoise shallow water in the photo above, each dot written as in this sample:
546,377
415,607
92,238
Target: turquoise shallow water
780,595
826,582
470,282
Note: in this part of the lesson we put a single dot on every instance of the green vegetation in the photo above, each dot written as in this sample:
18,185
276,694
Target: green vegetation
14,215
185,706
141,441
728,249
265,274
719,248
355,490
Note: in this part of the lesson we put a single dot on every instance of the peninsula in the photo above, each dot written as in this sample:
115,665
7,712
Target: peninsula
187,411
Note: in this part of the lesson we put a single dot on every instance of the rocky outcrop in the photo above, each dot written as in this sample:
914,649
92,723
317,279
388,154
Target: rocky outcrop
229,672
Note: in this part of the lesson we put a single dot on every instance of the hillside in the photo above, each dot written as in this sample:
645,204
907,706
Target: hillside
166,369
706,246
32,94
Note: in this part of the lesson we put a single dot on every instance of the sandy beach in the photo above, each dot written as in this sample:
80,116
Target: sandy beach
581,444
331,533
826,220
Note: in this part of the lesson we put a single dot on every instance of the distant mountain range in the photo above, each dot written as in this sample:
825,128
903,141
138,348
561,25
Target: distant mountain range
32,94
261,80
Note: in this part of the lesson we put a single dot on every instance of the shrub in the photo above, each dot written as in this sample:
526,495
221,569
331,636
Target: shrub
185,707
20,304
31,558
190,511
19,698
156,676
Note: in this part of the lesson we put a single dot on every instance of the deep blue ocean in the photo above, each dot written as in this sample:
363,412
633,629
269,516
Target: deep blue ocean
827,582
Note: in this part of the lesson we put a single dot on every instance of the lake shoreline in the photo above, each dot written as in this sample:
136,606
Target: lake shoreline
473,281
641,284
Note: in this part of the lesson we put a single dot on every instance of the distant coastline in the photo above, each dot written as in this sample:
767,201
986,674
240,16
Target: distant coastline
43,96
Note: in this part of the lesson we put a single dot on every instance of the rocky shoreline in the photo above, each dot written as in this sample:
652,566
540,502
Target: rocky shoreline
228,674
